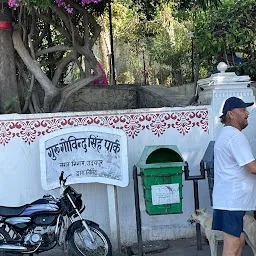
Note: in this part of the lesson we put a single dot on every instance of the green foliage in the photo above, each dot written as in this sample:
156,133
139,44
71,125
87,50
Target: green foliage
148,9
8,105
228,30
41,4
162,40
248,68
125,78
188,4
129,35
170,45
124,20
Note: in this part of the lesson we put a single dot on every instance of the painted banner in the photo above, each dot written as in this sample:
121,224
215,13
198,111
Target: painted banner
87,154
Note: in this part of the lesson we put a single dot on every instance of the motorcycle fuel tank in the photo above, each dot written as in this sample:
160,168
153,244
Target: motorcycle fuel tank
35,208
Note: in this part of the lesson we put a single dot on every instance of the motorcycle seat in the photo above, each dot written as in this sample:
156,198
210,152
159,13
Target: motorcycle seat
11,211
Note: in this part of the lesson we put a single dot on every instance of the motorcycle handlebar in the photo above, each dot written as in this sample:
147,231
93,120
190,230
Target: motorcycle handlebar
61,178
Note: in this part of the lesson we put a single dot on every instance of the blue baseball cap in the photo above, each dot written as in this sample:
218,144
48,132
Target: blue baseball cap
234,102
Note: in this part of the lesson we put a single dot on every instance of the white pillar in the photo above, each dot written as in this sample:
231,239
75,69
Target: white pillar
114,220
220,86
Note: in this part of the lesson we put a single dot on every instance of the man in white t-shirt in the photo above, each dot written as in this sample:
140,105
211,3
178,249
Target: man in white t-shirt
234,190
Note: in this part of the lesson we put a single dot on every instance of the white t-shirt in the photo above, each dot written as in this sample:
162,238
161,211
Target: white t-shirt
234,186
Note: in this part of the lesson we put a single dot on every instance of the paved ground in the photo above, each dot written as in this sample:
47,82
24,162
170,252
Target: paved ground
180,247
188,247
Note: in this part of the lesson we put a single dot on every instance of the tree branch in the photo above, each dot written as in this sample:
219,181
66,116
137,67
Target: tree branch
62,30
53,49
33,66
65,19
40,36
27,100
88,18
61,67
72,88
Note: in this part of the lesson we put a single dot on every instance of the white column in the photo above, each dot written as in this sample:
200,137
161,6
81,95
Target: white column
114,220
219,87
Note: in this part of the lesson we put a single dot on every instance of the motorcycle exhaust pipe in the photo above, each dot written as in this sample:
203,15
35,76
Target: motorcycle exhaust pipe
10,247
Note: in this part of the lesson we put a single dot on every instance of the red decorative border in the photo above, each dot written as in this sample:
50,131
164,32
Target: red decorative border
132,123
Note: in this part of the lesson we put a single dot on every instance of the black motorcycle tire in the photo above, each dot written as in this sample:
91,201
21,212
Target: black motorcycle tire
4,238
104,250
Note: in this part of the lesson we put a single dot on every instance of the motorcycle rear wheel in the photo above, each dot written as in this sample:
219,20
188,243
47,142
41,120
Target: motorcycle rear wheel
4,238
101,247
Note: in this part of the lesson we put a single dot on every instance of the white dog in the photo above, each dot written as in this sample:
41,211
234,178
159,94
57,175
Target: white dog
213,236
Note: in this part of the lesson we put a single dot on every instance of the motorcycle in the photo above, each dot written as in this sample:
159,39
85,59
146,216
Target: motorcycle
40,226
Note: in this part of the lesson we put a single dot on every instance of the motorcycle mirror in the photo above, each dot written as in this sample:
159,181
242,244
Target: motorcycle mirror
61,177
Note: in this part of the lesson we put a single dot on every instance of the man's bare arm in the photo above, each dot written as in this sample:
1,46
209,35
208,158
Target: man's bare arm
251,167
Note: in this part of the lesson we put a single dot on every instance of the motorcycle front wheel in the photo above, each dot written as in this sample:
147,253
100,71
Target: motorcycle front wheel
80,242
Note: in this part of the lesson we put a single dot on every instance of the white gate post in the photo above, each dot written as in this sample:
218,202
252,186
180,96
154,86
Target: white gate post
113,219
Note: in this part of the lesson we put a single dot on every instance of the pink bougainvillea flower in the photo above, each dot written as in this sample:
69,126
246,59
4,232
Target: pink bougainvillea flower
60,3
13,3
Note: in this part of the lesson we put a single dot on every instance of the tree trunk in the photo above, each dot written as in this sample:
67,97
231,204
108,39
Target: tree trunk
104,49
176,73
9,99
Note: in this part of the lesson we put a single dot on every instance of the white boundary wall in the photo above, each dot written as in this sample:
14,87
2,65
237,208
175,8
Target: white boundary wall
189,128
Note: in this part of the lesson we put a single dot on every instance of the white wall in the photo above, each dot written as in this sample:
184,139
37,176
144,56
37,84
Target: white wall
189,128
